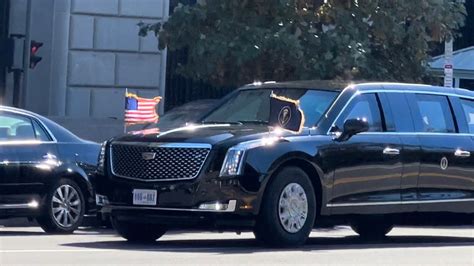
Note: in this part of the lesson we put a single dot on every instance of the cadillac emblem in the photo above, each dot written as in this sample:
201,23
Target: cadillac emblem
284,116
147,156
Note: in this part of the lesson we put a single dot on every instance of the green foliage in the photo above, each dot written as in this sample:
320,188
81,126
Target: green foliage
238,41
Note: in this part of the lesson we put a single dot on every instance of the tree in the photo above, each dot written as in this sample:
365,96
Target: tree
238,41
467,38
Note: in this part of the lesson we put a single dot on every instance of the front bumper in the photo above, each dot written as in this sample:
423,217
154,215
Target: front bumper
206,201
215,207
179,218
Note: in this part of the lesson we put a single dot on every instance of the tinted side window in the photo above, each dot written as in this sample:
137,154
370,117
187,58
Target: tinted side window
314,104
435,114
468,107
401,112
364,106
15,127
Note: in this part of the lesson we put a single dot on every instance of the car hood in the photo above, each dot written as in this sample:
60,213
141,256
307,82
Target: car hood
215,134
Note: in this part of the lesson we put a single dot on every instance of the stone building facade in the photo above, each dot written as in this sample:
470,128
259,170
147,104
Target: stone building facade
91,53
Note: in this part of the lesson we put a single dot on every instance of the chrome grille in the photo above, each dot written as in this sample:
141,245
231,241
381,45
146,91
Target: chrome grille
158,161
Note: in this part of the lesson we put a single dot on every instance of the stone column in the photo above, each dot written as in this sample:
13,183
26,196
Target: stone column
59,57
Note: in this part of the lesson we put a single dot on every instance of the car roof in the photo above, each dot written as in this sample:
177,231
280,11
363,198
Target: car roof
301,84
18,110
359,86
392,86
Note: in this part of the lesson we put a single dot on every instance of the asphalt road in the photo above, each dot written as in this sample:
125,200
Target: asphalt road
339,246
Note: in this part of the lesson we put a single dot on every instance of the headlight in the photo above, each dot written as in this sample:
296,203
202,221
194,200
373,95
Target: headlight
234,159
101,159
233,162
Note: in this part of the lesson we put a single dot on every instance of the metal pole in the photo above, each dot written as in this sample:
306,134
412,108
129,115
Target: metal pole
125,123
16,87
26,57
448,62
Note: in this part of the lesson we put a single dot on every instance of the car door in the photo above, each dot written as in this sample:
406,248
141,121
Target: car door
446,165
411,149
367,166
464,113
26,152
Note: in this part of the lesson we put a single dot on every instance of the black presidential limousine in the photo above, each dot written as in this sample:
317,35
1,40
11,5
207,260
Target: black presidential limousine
370,155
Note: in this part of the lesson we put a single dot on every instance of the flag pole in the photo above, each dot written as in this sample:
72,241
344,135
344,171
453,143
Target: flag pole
125,123
269,130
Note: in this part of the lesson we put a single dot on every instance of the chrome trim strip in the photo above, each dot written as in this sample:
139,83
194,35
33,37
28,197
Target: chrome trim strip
357,93
6,162
17,206
230,208
21,142
165,144
396,202
25,142
160,145
419,133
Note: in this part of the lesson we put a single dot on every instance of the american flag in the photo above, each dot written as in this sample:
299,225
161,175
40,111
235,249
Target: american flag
140,110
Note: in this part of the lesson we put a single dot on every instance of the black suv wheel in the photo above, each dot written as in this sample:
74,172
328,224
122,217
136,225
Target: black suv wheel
138,232
288,209
64,208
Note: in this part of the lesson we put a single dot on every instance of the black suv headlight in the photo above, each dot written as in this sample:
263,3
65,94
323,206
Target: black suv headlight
234,158
233,162
101,159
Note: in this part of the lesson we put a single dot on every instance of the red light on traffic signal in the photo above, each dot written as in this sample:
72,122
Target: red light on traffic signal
34,59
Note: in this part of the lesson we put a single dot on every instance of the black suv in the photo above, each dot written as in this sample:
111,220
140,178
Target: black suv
371,155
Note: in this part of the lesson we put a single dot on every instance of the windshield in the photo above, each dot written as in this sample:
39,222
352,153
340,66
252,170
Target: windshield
253,105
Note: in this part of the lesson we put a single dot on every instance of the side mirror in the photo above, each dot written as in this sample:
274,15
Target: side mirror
353,127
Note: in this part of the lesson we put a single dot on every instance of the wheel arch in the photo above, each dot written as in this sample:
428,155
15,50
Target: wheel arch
79,176
301,161
313,175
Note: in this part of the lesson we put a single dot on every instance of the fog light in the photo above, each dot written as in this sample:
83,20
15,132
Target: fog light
218,206
101,200
246,207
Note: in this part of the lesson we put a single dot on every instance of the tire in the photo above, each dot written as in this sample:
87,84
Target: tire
372,230
70,202
272,228
138,232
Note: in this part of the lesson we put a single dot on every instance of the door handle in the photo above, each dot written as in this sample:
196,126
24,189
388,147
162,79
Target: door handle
461,153
391,151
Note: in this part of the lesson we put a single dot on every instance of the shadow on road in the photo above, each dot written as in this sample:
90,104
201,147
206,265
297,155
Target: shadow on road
13,231
231,246
20,233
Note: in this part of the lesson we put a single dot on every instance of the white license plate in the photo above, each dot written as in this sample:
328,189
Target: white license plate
144,197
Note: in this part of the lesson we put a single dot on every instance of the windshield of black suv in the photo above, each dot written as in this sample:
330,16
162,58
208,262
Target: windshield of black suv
253,105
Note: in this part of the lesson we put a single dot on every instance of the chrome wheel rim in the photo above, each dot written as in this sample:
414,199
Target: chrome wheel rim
66,206
293,208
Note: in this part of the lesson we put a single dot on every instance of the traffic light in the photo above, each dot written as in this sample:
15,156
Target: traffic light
34,59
